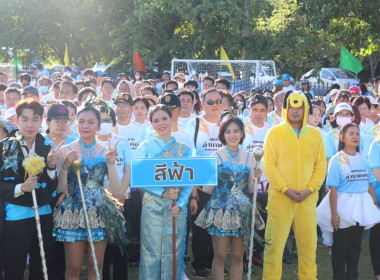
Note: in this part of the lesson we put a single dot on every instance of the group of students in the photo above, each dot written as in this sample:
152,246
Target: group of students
106,124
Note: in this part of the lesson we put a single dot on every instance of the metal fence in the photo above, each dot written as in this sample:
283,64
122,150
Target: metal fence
318,89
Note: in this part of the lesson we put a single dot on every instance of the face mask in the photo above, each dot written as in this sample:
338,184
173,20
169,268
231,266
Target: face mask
67,73
105,129
370,89
240,103
43,89
341,121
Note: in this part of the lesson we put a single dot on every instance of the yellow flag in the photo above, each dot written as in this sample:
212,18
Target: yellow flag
223,56
66,59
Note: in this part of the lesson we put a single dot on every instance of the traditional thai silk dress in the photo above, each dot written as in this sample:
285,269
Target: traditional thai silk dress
106,220
156,257
228,212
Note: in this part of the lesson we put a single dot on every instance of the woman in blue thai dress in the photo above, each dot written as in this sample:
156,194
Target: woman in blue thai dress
106,219
227,215
156,254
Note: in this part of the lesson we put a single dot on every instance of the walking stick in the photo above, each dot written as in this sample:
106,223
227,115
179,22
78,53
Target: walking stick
76,166
258,153
33,166
39,233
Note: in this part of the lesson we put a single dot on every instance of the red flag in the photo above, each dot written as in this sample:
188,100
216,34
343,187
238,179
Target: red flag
139,63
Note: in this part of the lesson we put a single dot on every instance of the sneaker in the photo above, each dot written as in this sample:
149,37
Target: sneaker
226,272
201,273
245,268
257,261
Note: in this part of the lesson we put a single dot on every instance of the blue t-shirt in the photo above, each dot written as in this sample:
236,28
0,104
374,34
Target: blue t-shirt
349,174
374,162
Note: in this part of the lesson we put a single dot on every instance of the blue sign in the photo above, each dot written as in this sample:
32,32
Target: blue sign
174,172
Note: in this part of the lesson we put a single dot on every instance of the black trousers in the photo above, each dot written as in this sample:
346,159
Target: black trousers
345,252
203,251
132,214
120,264
262,201
374,248
20,239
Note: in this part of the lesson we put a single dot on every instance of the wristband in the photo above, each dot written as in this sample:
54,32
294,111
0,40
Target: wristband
50,169
194,197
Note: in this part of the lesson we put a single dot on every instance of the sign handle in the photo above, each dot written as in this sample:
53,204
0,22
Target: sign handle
174,245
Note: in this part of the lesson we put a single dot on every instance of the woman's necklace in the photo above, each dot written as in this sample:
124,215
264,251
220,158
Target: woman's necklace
87,151
234,160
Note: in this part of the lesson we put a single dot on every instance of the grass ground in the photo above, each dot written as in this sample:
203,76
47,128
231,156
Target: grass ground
289,270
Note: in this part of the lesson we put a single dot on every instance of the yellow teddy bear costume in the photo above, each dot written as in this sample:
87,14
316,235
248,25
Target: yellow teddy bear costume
296,161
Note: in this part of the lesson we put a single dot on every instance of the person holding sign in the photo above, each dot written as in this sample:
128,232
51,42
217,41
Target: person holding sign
106,219
16,188
157,211
226,215
350,206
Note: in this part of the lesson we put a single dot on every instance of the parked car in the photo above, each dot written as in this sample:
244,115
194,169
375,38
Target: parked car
332,75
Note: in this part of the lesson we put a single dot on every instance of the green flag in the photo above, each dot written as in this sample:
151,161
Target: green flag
350,62
15,61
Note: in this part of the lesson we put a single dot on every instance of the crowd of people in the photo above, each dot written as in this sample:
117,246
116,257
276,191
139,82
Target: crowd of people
318,182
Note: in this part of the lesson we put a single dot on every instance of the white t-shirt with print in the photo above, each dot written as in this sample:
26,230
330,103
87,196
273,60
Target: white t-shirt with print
207,139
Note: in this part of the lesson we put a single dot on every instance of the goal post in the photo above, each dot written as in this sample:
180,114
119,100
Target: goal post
243,74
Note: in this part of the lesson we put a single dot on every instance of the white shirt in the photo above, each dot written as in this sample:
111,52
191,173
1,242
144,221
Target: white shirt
207,139
135,134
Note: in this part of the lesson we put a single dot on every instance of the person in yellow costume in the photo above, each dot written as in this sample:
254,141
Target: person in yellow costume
295,165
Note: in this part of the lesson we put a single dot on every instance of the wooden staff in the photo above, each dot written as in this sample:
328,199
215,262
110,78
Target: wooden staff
258,153
77,164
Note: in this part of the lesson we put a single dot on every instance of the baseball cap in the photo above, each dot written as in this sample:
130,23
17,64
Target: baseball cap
171,100
330,110
49,98
341,107
354,89
123,97
278,83
121,75
334,91
180,75
30,89
16,85
58,111
67,68
9,113
55,75
98,73
304,81
286,76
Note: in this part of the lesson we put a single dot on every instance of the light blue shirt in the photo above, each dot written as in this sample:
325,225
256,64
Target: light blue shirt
369,137
349,174
374,162
153,148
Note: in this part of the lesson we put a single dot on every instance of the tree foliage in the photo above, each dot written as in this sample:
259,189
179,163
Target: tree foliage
297,34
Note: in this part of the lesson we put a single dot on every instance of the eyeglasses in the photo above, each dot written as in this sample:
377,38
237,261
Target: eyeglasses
212,102
125,107
344,115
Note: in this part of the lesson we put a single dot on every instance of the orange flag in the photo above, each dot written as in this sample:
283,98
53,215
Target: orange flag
139,63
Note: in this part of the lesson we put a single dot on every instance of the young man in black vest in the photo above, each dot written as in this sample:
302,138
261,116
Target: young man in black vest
20,233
